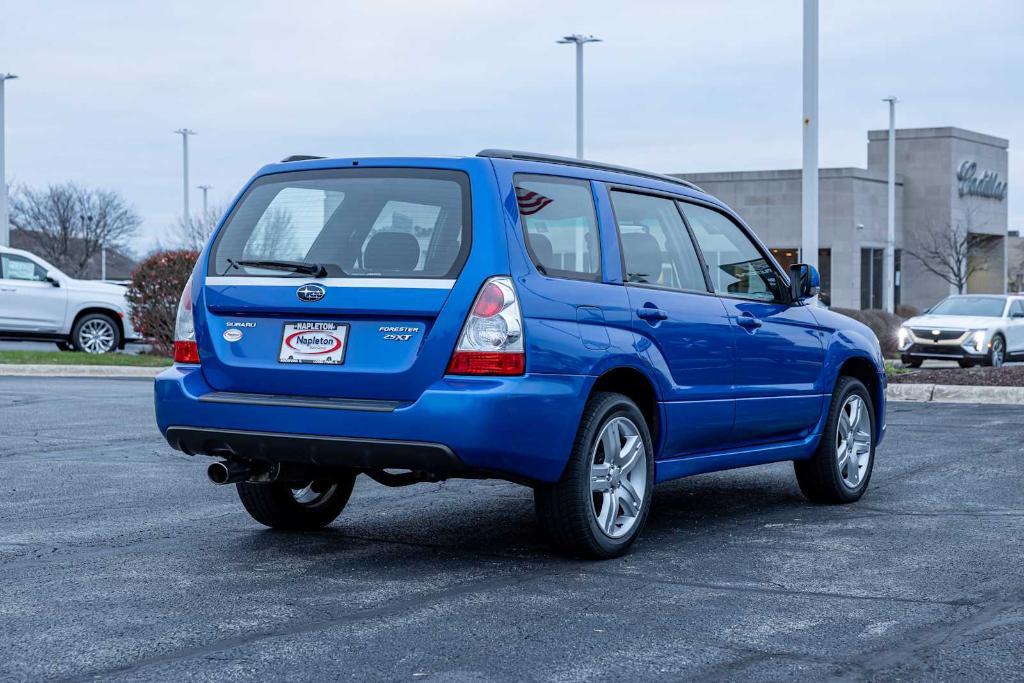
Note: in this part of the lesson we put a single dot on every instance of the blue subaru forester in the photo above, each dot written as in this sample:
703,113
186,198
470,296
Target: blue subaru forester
585,329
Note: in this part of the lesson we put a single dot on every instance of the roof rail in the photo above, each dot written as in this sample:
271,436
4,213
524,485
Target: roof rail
582,163
300,157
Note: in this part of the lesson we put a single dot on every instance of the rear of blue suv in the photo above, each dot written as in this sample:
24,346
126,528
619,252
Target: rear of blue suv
583,329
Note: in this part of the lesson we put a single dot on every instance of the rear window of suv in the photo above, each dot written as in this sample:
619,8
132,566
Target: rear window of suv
372,223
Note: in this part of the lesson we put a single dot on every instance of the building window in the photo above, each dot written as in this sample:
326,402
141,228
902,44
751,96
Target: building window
871,281
872,277
825,271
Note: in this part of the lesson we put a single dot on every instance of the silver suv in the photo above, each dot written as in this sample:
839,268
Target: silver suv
38,302
969,328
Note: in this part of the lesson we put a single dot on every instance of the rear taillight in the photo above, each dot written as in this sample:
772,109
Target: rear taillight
491,342
185,349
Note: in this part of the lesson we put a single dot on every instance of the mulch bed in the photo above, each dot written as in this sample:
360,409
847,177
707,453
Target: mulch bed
1006,376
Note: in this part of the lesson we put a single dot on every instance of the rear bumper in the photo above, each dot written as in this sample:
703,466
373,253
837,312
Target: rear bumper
325,451
518,428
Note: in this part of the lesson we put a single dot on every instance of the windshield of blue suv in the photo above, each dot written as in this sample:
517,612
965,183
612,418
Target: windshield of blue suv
372,223
981,306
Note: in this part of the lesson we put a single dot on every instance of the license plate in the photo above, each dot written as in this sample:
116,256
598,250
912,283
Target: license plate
314,342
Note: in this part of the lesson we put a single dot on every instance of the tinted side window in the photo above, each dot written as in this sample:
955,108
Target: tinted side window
736,266
560,225
1017,308
656,246
19,268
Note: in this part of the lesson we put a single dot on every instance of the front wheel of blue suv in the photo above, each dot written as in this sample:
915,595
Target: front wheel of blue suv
840,469
600,505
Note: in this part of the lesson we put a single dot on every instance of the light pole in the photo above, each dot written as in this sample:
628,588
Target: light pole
890,237
184,133
5,229
809,186
579,40
205,189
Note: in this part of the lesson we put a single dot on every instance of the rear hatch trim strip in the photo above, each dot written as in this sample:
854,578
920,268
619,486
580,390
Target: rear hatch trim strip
365,282
239,398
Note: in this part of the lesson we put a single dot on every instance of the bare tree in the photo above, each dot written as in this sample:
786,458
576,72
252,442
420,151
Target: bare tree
272,238
70,224
945,250
195,232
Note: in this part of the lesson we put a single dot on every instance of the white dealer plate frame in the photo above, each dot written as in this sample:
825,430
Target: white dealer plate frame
331,356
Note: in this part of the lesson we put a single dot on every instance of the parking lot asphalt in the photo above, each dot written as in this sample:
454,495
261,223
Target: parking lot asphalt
119,561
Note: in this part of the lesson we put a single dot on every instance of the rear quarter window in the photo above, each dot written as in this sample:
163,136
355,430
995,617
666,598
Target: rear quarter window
382,223
559,224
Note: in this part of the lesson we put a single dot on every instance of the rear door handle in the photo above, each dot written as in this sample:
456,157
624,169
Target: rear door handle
748,321
651,314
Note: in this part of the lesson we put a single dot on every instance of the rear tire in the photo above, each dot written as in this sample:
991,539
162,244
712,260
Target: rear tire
840,469
280,506
601,504
64,346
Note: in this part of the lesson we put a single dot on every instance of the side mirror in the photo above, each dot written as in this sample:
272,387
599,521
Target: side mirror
52,280
1017,314
804,282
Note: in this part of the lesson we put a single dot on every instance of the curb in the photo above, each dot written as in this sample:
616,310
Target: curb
113,371
950,393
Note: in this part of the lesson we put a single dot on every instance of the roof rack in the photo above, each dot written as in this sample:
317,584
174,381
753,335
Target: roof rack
300,157
582,163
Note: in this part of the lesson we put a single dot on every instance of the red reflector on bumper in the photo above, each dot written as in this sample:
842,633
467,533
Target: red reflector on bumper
186,352
484,363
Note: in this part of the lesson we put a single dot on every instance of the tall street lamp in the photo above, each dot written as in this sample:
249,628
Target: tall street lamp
890,238
579,41
5,229
205,189
809,186
184,133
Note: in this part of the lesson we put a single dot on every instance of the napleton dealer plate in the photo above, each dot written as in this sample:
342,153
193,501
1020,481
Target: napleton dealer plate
314,342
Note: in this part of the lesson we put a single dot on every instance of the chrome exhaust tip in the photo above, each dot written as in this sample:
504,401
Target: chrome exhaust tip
227,472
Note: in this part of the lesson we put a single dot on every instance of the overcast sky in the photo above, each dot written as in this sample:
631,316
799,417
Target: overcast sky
682,85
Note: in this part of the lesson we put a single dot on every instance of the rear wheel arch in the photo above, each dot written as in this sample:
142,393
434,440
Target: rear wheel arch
109,312
635,385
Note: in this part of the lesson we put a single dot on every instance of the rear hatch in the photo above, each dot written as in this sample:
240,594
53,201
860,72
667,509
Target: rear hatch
333,283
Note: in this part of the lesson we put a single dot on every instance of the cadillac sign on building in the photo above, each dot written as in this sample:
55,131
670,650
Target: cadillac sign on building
987,185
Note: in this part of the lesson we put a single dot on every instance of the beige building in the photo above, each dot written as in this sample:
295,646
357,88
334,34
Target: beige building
947,179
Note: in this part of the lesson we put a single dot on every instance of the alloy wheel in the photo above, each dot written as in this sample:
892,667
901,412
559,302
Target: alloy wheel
97,336
853,441
314,493
618,477
998,352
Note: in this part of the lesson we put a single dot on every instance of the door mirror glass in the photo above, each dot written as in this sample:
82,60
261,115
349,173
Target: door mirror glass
804,282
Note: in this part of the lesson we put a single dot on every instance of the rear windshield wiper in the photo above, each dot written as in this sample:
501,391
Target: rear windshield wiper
314,269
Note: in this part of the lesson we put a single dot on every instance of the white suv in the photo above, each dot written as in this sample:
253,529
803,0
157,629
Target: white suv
38,302
971,329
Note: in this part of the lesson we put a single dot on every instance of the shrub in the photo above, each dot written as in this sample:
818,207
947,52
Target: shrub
884,325
156,286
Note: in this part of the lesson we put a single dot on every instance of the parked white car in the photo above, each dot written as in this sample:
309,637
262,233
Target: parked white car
38,302
969,328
